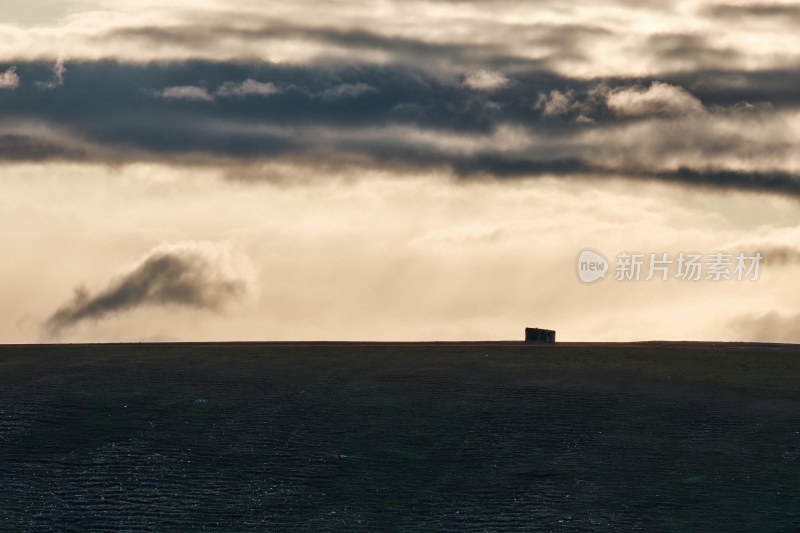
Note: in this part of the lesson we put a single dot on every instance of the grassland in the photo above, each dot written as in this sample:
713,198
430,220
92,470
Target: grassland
400,437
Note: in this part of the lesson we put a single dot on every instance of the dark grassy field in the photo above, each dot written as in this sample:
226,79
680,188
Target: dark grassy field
400,437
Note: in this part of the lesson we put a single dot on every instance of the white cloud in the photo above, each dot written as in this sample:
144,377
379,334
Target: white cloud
486,80
186,92
246,88
556,103
9,79
58,76
658,99
559,103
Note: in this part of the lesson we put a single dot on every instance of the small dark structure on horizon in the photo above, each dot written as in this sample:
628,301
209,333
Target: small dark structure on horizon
540,335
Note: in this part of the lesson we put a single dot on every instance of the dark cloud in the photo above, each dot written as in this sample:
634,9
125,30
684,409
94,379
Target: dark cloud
153,108
482,122
773,254
748,11
688,51
778,255
784,183
730,87
103,97
30,148
775,181
195,276
504,166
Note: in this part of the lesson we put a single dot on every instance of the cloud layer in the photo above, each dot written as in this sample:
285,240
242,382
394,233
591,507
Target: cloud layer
693,129
9,78
492,88
579,38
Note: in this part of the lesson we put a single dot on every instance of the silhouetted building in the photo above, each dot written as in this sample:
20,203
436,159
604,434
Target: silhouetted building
540,335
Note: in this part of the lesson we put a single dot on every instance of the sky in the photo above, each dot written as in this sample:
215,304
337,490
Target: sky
398,171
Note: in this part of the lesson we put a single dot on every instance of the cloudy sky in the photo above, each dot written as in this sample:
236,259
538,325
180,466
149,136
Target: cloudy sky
415,170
